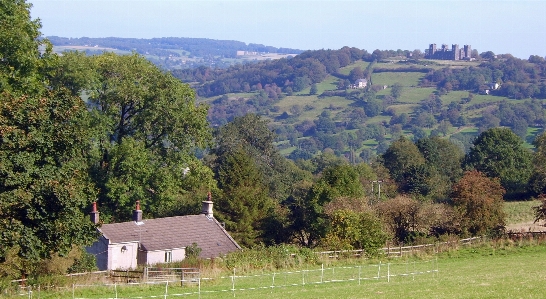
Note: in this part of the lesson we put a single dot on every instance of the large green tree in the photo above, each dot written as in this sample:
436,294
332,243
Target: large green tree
44,189
402,158
355,230
309,221
244,201
396,90
499,153
274,176
147,127
19,52
252,134
537,182
443,165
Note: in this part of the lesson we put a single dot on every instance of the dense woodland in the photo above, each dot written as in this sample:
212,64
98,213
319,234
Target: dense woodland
116,129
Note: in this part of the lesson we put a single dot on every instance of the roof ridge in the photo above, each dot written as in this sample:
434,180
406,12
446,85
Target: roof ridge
226,233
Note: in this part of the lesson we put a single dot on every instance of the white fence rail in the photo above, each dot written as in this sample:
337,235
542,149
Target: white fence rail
241,282
399,251
189,277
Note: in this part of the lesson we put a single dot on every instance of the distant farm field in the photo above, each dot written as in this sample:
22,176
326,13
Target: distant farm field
403,78
347,69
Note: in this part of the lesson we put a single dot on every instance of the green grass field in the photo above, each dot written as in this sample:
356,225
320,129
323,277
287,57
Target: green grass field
347,69
489,270
520,211
405,79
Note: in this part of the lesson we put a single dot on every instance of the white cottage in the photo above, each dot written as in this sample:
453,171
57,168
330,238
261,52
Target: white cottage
144,242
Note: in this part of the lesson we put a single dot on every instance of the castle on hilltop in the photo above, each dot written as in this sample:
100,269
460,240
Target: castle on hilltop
445,53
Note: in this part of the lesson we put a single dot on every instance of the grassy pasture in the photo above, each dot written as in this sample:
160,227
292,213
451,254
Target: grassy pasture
347,69
453,96
454,63
318,104
393,64
414,95
491,270
402,108
487,272
520,211
404,78
532,133
330,83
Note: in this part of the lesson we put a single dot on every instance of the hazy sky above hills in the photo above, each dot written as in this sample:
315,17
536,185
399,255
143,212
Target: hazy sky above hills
516,27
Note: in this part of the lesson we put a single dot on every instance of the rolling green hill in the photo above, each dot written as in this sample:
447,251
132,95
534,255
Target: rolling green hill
290,114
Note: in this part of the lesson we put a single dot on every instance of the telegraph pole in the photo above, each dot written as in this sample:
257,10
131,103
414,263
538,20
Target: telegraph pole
378,182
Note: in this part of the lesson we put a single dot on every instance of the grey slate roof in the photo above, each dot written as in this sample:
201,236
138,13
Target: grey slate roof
174,232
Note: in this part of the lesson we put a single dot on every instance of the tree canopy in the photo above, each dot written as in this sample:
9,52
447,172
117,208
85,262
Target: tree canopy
44,187
147,128
400,158
19,54
134,137
499,153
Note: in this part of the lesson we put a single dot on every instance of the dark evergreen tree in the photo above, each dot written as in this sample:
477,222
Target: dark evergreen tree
244,202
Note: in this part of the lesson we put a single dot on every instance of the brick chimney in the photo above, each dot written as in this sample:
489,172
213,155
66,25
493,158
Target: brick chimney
207,206
137,212
94,215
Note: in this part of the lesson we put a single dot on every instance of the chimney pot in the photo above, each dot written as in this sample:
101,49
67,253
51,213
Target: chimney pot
137,213
207,206
94,215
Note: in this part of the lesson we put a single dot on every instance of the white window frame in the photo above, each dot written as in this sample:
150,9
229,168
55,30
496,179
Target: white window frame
168,256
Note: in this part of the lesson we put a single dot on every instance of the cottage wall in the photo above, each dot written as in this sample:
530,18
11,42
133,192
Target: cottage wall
100,250
158,256
123,255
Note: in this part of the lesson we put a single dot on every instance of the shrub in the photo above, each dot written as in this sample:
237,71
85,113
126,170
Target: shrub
269,258
355,230
479,202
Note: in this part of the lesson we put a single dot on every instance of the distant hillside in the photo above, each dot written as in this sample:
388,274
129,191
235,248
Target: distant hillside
313,105
174,52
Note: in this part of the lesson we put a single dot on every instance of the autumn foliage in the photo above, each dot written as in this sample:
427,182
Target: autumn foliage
479,203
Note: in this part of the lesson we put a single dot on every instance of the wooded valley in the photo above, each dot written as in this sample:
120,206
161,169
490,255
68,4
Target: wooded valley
292,150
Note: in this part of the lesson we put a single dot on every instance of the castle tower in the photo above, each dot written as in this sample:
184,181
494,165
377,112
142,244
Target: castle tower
456,55
467,52
431,50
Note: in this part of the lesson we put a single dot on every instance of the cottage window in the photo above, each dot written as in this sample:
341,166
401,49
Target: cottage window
168,256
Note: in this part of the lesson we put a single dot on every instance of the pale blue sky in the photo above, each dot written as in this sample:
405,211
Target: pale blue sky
516,27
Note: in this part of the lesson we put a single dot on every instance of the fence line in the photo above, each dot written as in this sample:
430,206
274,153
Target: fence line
241,282
398,251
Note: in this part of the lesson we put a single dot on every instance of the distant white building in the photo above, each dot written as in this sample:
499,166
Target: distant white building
246,53
360,83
